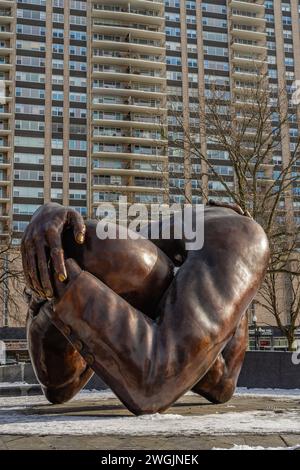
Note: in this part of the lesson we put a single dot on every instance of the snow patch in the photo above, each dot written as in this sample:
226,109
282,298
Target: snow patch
256,422
268,392
13,420
244,447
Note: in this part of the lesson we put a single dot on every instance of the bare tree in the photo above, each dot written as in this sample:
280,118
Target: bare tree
11,284
250,131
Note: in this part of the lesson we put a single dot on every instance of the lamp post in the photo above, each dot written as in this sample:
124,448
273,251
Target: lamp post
254,320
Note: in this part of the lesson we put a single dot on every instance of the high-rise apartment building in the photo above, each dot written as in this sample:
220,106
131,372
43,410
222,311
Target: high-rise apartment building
90,114
128,102
7,76
90,89
50,144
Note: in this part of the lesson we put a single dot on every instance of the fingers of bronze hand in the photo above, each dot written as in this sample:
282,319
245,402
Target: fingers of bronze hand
75,220
57,255
247,214
43,271
62,277
80,238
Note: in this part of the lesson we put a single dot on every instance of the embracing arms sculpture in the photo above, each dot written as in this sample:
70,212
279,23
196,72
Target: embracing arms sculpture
115,307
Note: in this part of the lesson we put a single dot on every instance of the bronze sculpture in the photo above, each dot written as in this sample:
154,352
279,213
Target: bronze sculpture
114,307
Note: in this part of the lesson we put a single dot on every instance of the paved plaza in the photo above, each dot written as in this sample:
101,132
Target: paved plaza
98,421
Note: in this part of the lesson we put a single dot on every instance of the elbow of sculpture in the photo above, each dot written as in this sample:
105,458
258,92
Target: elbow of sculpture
146,407
149,400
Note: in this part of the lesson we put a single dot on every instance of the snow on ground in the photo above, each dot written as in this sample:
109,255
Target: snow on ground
12,384
13,421
159,424
244,447
268,392
22,402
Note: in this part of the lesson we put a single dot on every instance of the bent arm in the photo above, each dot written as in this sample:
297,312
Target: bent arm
137,270
219,384
60,369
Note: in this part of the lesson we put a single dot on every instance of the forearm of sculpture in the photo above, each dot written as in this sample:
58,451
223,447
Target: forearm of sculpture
60,369
148,365
219,384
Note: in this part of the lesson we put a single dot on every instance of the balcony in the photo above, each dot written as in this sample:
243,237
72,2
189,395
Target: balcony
129,172
115,139
129,92
252,34
259,48
4,217
133,77
5,113
128,32
4,182
247,20
5,234
4,199
126,108
4,132
128,123
249,62
128,47
5,66
251,6
4,163
4,51
5,15
245,103
156,5
129,17
128,61
246,75
4,146
6,34
130,156
126,189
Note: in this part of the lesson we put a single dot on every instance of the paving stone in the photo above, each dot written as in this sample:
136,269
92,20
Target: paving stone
145,442
3,445
28,443
273,440
187,406
291,440
68,443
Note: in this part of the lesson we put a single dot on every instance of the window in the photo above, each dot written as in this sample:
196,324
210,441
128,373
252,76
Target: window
77,194
30,77
30,109
56,193
77,177
29,125
77,145
29,158
31,14
36,31
25,209
29,175
27,192
30,93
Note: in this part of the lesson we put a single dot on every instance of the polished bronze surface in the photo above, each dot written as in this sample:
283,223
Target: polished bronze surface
123,314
